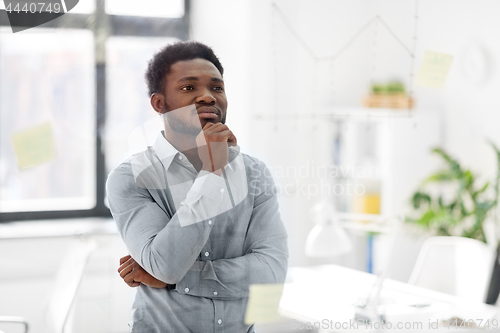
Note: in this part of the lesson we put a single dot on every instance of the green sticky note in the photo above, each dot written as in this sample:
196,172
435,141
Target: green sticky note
34,146
263,303
434,70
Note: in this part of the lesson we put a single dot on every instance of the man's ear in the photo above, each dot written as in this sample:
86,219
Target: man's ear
158,102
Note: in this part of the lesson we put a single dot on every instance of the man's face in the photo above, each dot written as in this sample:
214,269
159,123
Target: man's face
196,82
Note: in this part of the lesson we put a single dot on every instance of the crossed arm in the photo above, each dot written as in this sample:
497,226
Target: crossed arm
160,260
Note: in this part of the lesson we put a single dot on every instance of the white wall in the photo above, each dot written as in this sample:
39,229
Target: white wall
470,107
270,72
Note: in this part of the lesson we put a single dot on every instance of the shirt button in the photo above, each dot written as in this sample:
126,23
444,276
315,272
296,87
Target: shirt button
180,157
207,254
186,289
215,293
210,222
219,321
221,190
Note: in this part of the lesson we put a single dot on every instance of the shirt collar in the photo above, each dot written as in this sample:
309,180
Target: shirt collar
166,152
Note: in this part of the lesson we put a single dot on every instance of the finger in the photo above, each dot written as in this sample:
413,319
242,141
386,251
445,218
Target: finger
127,263
208,125
232,140
130,278
219,127
123,259
130,281
126,271
215,128
228,135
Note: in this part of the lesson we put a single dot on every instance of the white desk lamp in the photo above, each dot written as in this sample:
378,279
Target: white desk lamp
327,238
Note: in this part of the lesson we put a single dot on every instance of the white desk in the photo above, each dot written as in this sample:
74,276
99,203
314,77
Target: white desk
324,297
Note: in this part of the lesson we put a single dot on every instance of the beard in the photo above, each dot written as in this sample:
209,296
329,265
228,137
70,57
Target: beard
183,120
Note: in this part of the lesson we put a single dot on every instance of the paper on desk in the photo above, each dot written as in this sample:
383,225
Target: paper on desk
34,145
434,70
263,303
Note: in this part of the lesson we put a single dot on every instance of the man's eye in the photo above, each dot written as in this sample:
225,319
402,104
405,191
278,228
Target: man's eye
187,88
218,88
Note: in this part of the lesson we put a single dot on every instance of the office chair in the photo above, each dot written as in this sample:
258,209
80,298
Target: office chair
13,319
68,280
455,265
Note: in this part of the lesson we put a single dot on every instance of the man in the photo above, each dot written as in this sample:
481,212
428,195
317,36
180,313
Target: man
199,219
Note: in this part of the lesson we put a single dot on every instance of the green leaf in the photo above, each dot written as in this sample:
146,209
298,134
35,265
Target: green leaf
497,180
440,176
378,88
452,163
468,179
419,198
476,193
426,218
443,230
395,87
440,203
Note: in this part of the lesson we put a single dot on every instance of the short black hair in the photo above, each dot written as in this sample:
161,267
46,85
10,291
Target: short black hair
160,65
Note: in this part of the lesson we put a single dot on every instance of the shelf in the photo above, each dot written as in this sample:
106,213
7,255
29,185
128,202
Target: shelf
335,113
374,222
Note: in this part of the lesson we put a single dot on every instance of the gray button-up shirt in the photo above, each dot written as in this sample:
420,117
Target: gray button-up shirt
211,236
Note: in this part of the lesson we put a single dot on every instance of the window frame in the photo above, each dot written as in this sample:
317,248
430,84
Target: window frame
103,26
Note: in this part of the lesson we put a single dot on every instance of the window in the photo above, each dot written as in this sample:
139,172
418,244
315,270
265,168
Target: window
47,80
66,110
84,7
163,8
127,95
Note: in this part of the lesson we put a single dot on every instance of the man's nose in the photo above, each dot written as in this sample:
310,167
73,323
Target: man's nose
206,98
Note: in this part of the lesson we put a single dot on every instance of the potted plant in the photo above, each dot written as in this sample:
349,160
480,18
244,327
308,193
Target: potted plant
388,95
459,207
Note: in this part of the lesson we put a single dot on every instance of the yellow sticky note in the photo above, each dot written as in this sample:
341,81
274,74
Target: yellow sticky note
34,145
434,70
263,303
